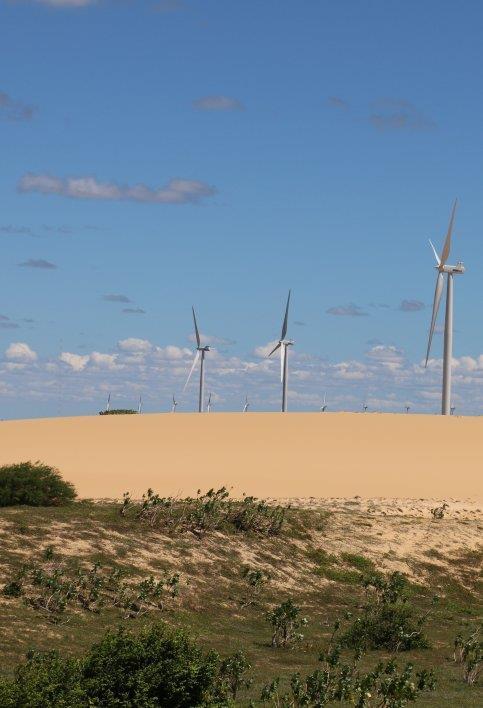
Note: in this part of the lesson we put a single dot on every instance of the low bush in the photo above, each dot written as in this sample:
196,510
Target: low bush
33,484
468,651
119,411
159,666
286,623
205,512
51,587
388,620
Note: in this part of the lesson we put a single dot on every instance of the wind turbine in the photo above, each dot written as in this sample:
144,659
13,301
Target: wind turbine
200,353
108,404
175,403
208,407
140,404
283,344
245,407
323,407
450,270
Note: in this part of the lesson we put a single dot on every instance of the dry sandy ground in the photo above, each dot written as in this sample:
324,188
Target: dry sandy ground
265,454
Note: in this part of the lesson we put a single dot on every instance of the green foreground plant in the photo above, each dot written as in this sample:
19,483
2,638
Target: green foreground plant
33,484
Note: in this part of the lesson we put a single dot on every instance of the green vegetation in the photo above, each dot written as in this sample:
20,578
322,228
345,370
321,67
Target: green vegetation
231,576
119,411
206,512
286,624
33,484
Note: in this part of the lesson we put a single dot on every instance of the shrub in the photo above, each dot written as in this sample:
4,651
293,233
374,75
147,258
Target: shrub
468,651
211,511
388,620
33,484
159,666
255,580
119,411
286,623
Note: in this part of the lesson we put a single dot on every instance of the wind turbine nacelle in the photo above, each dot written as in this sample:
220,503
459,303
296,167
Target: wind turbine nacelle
457,269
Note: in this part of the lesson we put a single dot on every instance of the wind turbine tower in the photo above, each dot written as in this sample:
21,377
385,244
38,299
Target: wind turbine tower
450,271
175,403
323,407
108,404
200,354
208,407
140,405
245,407
283,345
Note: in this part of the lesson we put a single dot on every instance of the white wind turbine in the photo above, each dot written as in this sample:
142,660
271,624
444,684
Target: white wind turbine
323,407
200,353
175,403
450,271
108,404
245,407
283,345
208,407
140,404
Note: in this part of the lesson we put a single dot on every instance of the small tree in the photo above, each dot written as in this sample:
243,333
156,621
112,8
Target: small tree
468,651
34,484
255,580
286,623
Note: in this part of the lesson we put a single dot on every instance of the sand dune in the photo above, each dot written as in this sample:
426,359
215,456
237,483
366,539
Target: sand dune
266,454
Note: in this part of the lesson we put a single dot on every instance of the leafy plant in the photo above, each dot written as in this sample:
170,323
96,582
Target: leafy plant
468,651
386,686
33,484
119,411
51,588
232,676
207,512
255,580
388,620
286,624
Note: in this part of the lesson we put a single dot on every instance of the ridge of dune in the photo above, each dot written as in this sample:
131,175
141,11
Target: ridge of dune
298,455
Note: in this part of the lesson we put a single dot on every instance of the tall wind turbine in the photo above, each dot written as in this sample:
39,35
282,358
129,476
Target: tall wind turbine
140,405
200,354
323,407
208,407
108,404
175,403
450,271
283,345
245,407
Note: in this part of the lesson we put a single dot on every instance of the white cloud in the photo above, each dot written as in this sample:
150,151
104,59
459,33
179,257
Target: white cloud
75,361
212,340
103,361
172,353
264,349
176,191
19,351
132,344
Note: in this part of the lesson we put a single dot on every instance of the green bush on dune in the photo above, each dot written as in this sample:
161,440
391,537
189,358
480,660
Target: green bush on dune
33,484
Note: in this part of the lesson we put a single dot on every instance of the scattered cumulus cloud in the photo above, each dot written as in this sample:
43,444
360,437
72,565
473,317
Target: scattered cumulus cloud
411,306
75,361
176,191
112,297
396,115
264,349
133,344
218,103
38,263
13,110
20,352
212,341
350,310
134,311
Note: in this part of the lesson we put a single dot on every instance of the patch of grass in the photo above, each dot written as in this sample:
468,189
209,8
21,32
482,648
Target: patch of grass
338,575
365,565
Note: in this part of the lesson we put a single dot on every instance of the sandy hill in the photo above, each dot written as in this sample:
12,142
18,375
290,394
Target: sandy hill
266,454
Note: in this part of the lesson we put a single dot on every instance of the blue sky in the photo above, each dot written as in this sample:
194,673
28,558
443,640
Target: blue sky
313,145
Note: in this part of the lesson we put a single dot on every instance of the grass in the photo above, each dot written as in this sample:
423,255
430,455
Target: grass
303,563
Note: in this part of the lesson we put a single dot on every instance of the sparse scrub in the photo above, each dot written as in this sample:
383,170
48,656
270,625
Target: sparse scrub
468,651
365,565
212,511
255,580
119,411
52,587
386,686
388,620
286,624
439,511
33,484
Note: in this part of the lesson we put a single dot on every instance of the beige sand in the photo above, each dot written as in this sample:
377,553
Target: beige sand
265,454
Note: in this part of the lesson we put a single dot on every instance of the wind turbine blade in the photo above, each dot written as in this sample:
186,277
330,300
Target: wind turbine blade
195,361
283,354
198,342
447,243
285,319
437,299
435,252
274,350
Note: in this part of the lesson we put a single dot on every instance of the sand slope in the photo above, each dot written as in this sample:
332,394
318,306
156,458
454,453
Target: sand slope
266,454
